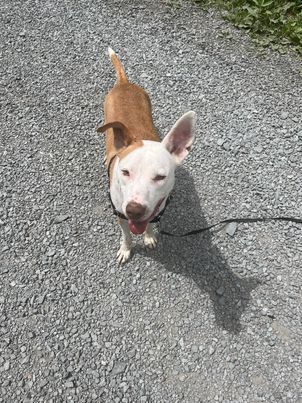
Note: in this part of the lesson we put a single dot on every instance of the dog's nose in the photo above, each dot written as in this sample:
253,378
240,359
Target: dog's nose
135,211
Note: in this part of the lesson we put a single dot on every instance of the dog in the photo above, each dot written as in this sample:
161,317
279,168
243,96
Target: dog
141,167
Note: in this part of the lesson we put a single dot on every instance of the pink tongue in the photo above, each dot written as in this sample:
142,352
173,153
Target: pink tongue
137,227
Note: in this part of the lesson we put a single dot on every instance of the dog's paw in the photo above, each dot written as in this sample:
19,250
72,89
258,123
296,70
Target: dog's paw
150,241
123,254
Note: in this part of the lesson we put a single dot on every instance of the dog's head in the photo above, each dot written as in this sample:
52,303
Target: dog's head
144,172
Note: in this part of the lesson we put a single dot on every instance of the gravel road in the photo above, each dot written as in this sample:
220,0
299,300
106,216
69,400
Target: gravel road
214,317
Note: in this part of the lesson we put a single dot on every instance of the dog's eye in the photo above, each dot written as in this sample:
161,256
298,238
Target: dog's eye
125,172
159,178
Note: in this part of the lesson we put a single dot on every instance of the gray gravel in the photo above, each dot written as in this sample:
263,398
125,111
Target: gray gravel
210,318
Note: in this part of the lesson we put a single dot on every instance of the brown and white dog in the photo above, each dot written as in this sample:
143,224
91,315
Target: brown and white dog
140,166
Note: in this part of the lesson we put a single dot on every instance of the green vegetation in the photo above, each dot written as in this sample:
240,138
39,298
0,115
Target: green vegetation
277,23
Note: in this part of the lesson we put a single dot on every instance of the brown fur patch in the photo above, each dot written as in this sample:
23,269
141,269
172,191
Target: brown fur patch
130,105
122,154
129,149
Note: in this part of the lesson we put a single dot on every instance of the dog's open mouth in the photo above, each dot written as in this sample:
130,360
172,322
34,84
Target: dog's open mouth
138,227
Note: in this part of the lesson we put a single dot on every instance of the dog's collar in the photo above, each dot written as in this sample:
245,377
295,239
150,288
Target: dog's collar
121,215
155,219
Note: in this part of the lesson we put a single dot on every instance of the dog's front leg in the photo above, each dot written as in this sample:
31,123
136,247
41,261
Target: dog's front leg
150,238
125,250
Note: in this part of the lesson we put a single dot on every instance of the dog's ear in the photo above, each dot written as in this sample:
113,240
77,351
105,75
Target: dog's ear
180,138
122,137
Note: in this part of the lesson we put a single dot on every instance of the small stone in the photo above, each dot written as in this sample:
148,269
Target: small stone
277,195
231,228
50,252
226,146
271,342
131,353
86,336
31,335
220,291
43,383
264,312
220,142
6,366
7,340
29,385
68,374
61,218
194,348
25,360
284,115
211,350
145,75
182,378
69,384
258,149
221,300
119,368
41,299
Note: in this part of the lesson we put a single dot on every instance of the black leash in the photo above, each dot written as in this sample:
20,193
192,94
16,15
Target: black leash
200,230
230,220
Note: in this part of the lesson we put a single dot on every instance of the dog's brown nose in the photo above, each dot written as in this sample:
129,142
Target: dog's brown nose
135,211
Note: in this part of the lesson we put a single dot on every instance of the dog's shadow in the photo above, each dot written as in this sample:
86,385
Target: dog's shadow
196,256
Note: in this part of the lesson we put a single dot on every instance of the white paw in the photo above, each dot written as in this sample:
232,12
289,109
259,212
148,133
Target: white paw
150,241
123,254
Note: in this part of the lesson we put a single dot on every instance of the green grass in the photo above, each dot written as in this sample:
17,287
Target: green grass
275,23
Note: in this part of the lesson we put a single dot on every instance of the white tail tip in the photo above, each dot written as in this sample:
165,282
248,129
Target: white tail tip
111,52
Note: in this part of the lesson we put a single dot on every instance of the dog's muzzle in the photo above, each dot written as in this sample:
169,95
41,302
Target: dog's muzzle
135,211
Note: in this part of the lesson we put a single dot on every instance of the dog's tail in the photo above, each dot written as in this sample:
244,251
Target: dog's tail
119,69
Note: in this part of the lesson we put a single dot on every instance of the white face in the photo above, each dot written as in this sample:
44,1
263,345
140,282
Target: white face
143,179
145,176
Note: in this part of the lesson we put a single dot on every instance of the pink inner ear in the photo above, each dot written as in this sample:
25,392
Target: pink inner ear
178,143
180,139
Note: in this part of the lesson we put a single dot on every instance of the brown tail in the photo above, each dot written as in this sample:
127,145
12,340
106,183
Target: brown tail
119,69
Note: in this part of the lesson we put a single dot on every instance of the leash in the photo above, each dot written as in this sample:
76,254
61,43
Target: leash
231,220
203,229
